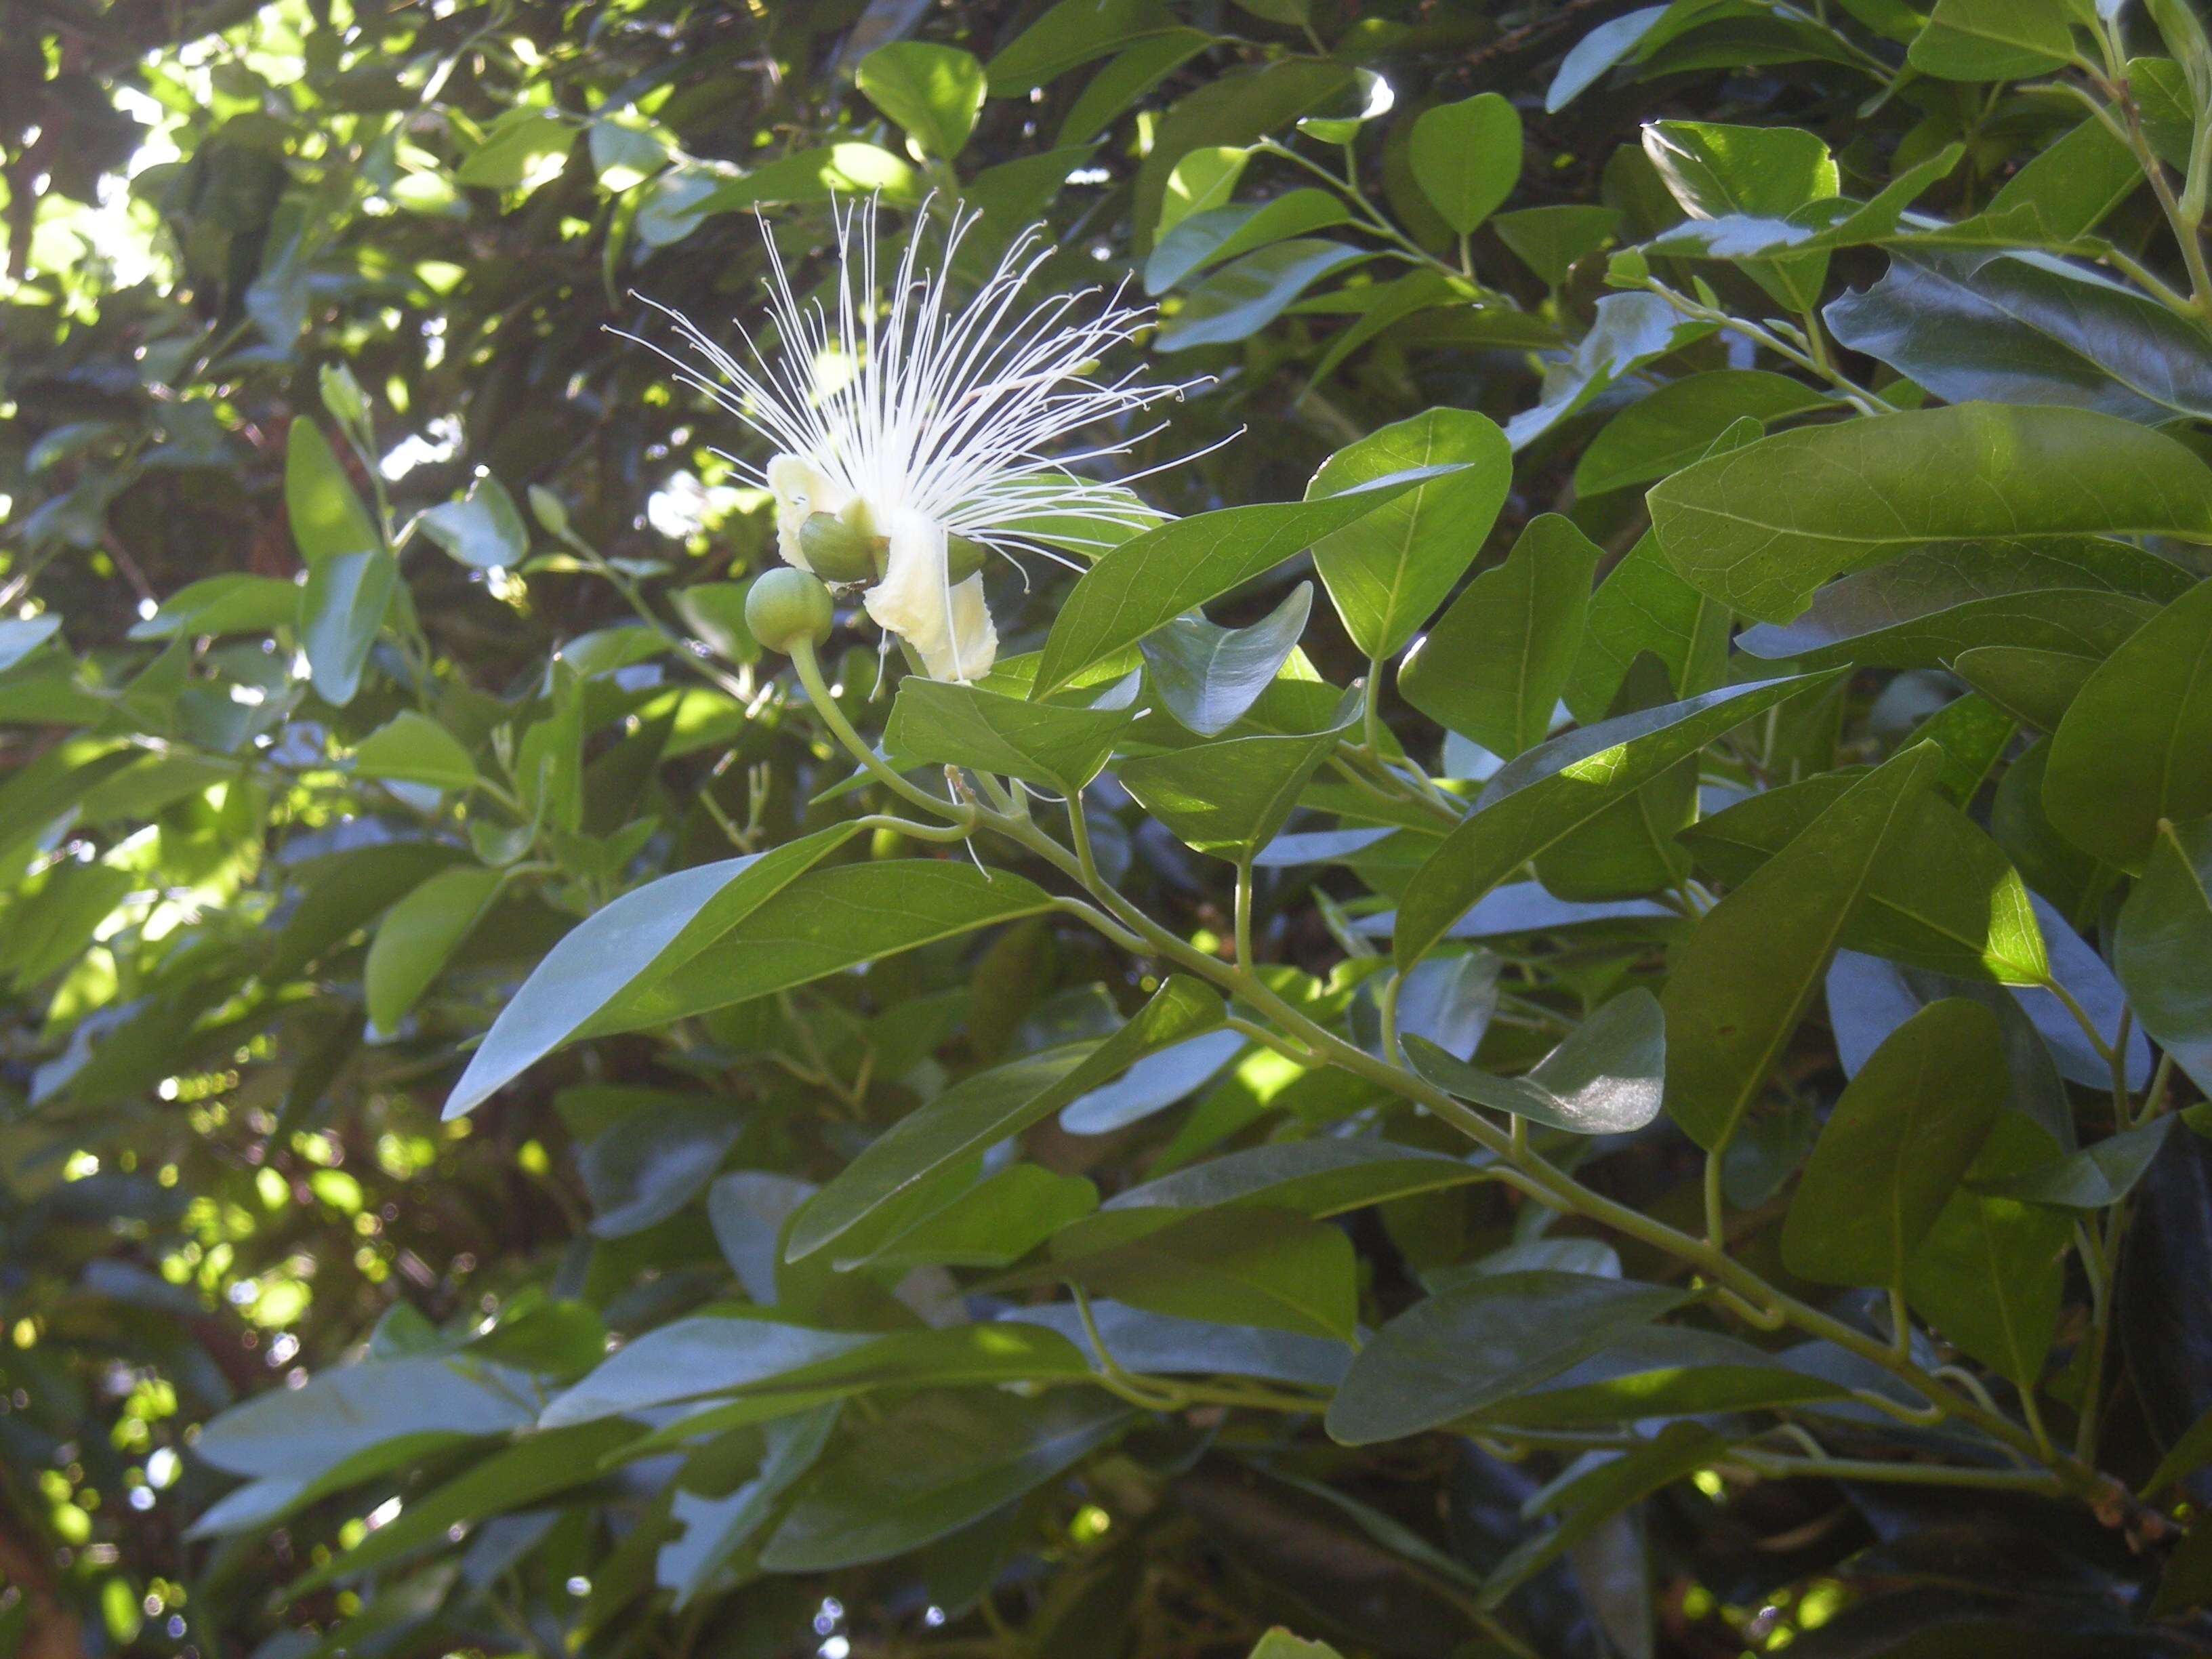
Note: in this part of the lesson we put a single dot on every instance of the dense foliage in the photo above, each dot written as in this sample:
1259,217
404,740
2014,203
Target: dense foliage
1552,1000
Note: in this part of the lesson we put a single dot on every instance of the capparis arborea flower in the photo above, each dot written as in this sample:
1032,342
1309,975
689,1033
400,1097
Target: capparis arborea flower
915,432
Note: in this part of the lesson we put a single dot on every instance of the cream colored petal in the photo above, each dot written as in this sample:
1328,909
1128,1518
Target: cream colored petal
800,489
950,626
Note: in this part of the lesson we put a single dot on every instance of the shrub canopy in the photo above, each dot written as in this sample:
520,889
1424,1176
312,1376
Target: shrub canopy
1530,980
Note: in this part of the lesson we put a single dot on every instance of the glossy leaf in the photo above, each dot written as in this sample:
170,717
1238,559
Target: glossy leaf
930,1466
1229,797
1494,666
1738,988
934,93
1209,676
1896,1146
1989,1276
1942,897
1467,157
1606,1079
1762,527
1677,424
2135,745
980,1111
418,935
1552,791
2164,937
1390,569
413,748
947,723
1485,1342
1158,576
640,938
1244,1264
1974,325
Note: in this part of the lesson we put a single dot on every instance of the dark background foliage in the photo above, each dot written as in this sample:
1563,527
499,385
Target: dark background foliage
214,1181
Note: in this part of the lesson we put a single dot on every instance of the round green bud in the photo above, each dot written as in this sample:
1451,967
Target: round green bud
964,558
1628,269
834,550
786,605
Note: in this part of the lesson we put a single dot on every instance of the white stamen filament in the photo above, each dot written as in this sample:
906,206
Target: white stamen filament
939,421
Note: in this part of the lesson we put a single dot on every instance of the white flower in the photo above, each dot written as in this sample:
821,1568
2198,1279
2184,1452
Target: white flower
913,418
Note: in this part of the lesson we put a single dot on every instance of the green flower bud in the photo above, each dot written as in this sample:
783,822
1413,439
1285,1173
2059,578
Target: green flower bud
964,558
835,551
787,606
550,511
1628,269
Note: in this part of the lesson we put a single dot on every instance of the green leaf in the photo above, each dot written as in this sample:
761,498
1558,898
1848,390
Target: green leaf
1318,1178
638,939
934,93
1605,1079
1896,1146
342,611
2188,1453
1631,331
1990,1274
946,722
931,1466
1467,157
1716,171
992,1223
1676,424
1978,325
534,1468
1553,790
1243,1264
653,1161
1740,986
2135,745
524,150
481,530
1388,570
1232,109
1230,796
1201,181
1993,40
1121,83
1643,606
1596,1496
984,1108
230,604
1661,1370
2079,597
326,516
2094,1178
1209,676
418,935
411,1405
826,921
817,175
1154,578
1944,897
692,1358
1069,34
2036,687
1241,299
1481,1343
1762,527
413,748
1550,240
1209,237
1493,666
1152,1085
2164,941
715,1528
1279,1643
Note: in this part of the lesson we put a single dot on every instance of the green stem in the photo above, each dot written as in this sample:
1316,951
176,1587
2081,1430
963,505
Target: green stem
809,675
